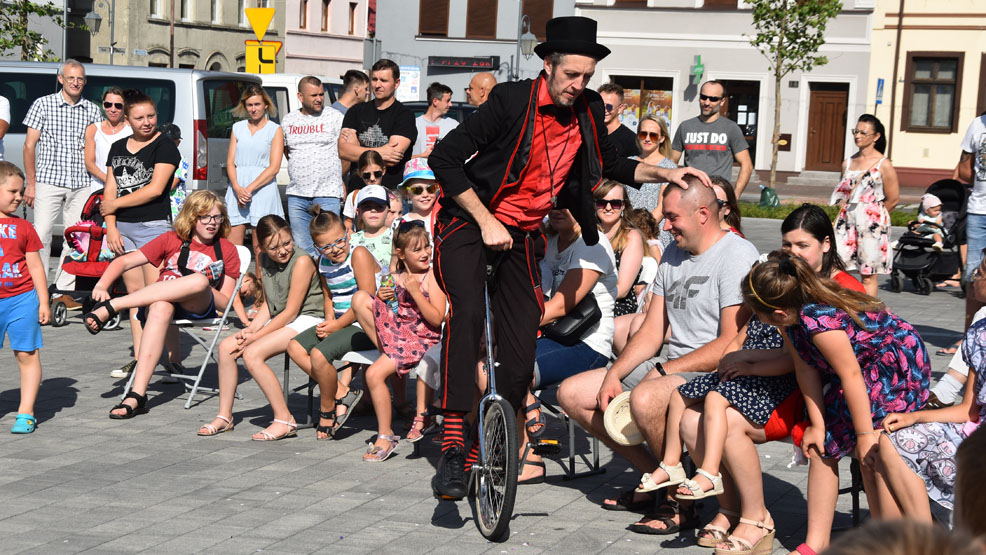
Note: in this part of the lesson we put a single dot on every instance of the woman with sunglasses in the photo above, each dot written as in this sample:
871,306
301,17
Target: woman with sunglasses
613,214
100,137
252,162
866,195
655,148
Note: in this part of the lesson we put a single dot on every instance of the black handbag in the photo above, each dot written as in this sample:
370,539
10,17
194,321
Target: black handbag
569,329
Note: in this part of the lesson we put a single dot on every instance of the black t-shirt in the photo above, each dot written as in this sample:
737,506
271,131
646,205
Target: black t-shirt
134,171
374,129
625,141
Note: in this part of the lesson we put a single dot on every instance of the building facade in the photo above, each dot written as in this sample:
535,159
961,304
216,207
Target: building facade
325,37
208,34
450,40
657,45
928,68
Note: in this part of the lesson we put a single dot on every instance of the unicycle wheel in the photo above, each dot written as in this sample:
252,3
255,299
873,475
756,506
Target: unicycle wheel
495,487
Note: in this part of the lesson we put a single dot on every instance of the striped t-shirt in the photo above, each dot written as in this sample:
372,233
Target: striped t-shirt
341,280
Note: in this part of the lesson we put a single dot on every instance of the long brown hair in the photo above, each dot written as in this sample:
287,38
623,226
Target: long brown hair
733,219
787,282
626,224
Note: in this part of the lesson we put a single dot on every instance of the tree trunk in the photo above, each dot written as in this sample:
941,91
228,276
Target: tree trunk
777,126
25,38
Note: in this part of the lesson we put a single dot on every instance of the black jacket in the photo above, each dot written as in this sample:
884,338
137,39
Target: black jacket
500,134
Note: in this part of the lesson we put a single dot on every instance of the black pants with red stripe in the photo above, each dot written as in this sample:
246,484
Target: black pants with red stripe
516,302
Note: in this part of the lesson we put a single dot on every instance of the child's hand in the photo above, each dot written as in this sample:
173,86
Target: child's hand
324,329
731,367
114,240
814,437
412,285
44,314
897,420
385,293
868,450
107,207
100,293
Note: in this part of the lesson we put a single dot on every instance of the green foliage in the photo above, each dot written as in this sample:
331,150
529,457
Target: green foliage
15,32
753,210
790,32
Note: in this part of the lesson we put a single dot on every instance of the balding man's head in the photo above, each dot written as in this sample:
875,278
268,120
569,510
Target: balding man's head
479,88
691,214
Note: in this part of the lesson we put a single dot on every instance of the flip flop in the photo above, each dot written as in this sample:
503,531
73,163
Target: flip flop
538,423
670,526
535,479
948,351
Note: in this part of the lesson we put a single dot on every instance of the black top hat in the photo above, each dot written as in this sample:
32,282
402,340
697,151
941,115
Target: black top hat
571,35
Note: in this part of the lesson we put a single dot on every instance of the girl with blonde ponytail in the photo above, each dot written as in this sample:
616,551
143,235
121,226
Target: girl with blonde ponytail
856,362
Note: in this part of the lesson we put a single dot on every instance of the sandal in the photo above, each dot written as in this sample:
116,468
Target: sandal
536,425
130,411
349,400
950,350
329,430
714,535
375,453
625,502
696,489
214,431
739,546
536,479
688,521
676,475
100,324
23,424
267,436
414,434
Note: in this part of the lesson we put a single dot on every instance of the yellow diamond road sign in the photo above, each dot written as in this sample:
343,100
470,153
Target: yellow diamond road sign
260,19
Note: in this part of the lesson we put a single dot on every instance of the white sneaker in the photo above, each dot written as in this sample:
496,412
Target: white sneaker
125,370
938,246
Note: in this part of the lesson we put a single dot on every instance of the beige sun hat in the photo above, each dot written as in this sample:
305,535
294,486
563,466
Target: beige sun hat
619,423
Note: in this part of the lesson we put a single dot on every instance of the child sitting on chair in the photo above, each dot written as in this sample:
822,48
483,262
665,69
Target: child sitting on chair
23,293
199,272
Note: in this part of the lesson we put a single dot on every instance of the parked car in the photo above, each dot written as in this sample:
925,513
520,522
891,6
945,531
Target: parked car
459,110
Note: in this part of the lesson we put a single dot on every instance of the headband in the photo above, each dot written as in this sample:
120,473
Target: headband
759,298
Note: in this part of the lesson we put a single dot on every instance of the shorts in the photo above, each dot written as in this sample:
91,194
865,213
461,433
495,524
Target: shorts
427,369
137,234
182,314
337,344
303,322
634,378
785,416
19,321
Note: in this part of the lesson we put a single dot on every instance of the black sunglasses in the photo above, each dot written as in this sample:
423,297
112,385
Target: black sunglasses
615,203
117,105
408,225
609,107
710,98
376,175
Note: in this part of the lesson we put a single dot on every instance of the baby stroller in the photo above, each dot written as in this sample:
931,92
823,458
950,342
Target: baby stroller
85,257
915,256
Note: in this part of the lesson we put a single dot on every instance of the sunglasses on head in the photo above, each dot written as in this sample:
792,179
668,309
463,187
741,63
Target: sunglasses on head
408,225
117,105
375,175
710,98
615,203
654,136
418,189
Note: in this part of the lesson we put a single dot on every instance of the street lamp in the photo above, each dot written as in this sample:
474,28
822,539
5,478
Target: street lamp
93,21
526,41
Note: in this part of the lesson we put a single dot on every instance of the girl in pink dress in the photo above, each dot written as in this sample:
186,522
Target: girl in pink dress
402,335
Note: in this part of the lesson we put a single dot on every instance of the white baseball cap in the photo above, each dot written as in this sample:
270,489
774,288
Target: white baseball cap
375,193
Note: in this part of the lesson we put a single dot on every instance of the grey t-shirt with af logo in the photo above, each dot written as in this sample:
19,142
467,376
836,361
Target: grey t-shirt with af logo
709,147
696,288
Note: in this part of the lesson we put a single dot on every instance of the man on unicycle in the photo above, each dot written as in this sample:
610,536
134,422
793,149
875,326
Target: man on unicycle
535,144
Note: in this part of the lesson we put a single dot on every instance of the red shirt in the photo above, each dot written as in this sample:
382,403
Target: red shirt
17,237
201,258
848,282
527,202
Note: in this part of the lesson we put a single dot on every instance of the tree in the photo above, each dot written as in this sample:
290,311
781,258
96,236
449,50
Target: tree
789,35
15,32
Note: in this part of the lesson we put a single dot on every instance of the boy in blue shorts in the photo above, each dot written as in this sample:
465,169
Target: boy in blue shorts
23,293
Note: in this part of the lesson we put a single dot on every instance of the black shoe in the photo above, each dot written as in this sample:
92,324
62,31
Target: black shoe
450,481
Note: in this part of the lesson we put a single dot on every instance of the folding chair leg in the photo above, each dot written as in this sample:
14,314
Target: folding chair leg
857,485
594,468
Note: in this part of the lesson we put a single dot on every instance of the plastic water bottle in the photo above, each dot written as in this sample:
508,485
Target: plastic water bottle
387,280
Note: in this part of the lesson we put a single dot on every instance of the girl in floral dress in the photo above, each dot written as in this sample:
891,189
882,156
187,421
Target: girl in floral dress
918,452
867,194
855,361
403,332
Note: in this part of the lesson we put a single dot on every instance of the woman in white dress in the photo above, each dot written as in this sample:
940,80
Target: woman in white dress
100,137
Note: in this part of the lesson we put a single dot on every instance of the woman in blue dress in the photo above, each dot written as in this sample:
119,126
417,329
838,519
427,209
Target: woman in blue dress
254,156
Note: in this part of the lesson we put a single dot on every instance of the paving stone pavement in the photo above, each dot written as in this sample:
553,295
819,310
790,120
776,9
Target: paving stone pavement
85,483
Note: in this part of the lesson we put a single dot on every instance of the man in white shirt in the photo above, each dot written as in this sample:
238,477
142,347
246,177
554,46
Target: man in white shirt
433,125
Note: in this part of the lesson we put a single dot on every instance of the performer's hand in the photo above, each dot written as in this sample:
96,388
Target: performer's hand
495,236
677,176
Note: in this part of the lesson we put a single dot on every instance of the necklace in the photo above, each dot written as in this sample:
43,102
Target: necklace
547,156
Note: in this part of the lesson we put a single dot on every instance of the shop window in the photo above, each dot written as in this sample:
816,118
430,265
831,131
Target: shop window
933,81
643,96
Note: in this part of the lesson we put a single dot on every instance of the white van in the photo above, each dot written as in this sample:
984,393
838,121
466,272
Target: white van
282,88
199,102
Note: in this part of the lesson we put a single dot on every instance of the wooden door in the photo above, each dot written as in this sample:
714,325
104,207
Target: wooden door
826,130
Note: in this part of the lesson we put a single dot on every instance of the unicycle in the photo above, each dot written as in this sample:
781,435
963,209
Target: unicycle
493,481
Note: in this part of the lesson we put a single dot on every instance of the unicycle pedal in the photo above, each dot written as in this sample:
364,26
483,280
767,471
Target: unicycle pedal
545,447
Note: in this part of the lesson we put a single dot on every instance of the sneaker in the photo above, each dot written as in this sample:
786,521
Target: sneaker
934,402
68,301
450,481
938,246
125,370
170,369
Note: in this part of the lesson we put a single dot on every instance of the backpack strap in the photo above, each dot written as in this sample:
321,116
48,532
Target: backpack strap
183,258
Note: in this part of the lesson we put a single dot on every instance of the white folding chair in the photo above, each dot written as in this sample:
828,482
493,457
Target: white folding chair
648,273
188,327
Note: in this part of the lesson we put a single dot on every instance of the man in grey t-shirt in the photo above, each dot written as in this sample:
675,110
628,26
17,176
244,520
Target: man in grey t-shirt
711,142
697,293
